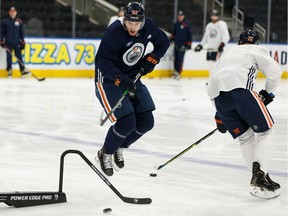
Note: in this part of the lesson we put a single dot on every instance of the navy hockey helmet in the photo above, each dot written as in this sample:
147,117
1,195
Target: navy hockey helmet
214,13
248,36
134,12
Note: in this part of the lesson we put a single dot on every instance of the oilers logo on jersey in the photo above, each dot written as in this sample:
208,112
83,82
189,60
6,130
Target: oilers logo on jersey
213,33
132,55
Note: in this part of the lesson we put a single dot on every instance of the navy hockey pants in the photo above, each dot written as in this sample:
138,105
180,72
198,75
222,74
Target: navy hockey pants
240,109
133,117
178,60
17,51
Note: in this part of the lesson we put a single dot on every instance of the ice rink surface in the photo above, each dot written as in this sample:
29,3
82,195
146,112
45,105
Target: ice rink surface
40,120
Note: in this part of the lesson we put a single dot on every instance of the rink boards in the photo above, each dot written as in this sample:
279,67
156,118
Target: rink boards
59,57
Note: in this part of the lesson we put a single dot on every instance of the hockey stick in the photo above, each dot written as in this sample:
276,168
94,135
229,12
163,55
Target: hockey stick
182,49
102,121
123,198
187,149
21,63
207,49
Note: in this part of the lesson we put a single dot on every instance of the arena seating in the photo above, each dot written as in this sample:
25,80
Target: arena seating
52,19
278,26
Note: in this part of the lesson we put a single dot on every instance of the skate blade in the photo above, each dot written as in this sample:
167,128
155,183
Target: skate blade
263,193
115,167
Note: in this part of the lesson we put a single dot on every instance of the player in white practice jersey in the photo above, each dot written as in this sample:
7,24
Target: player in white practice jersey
242,111
120,14
216,36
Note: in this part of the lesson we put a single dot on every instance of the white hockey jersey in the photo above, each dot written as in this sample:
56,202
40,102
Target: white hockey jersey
215,34
238,67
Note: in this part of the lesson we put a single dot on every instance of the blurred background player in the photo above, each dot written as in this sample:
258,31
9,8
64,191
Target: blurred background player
182,38
12,38
216,36
117,62
242,111
120,14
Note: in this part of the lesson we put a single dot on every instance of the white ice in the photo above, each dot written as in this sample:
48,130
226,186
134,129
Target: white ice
40,120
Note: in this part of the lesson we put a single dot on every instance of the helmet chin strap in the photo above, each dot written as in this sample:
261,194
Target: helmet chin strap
143,23
122,23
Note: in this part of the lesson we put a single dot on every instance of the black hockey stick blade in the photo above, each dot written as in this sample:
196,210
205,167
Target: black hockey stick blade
136,200
39,79
187,149
25,199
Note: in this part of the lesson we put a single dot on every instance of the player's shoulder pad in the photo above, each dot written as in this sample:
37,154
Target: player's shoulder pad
150,26
262,49
114,29
150,23
185,24
209,24
222,23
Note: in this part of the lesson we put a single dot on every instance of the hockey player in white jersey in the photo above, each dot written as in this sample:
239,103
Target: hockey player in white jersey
216,36
242,111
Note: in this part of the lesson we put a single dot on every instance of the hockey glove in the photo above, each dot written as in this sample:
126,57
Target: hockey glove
2,44
22,44
150,60
188,46
198,48
171,39
220,126
266,97
127,82
220,48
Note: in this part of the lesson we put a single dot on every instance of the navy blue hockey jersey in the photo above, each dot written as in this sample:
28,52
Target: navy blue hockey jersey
121,53
12,31
182,34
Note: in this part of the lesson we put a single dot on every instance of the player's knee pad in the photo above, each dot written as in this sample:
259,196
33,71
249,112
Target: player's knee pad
145,122
125,125
247,137
266,138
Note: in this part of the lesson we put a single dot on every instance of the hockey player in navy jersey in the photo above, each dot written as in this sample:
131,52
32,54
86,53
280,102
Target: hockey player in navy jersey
119,58
182,38
242,111
12,38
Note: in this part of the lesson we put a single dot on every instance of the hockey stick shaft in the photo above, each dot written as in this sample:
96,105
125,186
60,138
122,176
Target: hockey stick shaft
102,121
209,50
104,179
187,149
21,63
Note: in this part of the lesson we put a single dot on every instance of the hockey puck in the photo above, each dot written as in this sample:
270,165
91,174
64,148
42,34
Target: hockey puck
107,210
153,174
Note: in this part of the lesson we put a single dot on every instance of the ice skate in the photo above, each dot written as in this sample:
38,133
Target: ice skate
9,73
25,72
118,161
176,75
260,186
277,187
105,161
